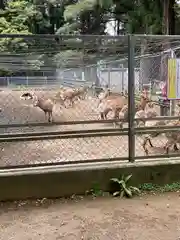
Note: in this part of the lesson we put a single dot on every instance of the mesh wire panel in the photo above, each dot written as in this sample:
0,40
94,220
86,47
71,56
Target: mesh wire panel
45,67
63,150
151,57
50,66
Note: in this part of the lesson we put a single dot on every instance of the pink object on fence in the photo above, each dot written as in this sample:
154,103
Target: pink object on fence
163,87
164,90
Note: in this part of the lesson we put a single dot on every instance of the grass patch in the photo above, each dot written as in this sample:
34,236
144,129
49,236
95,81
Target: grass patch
123,189
150,187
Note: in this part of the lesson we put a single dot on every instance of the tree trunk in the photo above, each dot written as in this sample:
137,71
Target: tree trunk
168,29
2,5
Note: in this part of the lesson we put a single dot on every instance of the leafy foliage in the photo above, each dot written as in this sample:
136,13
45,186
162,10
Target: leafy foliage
120,187
16,19
95,191
146,17
18,16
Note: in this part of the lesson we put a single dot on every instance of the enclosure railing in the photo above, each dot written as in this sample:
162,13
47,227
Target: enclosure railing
131,131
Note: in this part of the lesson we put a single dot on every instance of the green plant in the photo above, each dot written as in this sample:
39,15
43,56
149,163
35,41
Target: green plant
120,187
95,191
150,187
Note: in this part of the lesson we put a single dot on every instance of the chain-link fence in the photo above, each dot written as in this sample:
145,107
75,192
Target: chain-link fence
40,75
151,56
85,98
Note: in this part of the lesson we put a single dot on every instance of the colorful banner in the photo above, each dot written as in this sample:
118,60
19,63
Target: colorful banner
177,78
173,85
172,79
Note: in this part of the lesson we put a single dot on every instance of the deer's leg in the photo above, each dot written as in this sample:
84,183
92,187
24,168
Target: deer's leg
48,116
166,148
175,147
150,143
114,123
102,116
50,119
45,115
120,125
106,113
168,144
68,102
116,116
117,111
136,122
72,102
65,103
144,146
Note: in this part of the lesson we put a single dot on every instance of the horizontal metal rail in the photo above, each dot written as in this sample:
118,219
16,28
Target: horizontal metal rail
82,167
149,36
158,156
160,118
89,131
83,133
79,134
157,128
30,134
44,124
34,36
50,36
95,160
61,136
152,131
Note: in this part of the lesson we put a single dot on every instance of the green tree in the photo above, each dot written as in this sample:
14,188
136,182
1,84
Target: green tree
86,16
16,18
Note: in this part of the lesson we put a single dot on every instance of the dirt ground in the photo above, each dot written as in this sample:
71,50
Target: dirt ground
15,110
146,218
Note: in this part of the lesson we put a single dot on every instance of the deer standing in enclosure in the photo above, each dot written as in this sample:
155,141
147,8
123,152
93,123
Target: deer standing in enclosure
46,105
71,94
172,137
118,104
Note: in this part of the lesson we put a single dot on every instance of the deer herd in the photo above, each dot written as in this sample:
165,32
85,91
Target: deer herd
117,104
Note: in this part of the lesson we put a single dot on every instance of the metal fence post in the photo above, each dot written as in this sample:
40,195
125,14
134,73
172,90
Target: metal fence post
27,81
109,77
131,99
122,67
8,82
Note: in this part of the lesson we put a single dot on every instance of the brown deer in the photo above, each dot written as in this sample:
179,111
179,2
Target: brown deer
45,104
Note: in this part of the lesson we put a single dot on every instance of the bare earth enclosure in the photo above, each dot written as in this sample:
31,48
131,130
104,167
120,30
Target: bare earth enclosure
146,218
15,110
